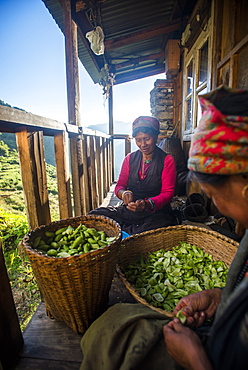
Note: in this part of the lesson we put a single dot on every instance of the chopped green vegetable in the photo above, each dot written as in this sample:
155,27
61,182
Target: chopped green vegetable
181,317
164,277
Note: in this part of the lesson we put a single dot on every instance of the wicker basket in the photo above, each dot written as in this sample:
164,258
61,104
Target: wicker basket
75,289
219,246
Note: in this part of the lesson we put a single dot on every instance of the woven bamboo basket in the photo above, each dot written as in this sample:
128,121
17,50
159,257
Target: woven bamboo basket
75,289
219,246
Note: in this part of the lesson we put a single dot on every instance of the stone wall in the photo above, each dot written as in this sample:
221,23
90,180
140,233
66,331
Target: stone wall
161,102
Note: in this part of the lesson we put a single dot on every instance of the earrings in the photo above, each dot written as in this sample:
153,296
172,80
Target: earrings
244,192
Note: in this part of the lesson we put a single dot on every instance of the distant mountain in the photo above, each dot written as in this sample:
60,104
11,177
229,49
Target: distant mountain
119,127
10,140
119,145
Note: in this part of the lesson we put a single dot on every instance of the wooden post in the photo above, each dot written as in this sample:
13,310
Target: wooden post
93,177
233,71
36,144
10,333
99,170
75,177
104,167
63,174
33,178
72,74
127,145
108,164
84,180
111,132
73,98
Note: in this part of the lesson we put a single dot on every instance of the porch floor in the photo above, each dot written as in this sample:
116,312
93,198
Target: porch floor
50,344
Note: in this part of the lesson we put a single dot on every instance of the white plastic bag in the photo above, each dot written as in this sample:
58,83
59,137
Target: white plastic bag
96,38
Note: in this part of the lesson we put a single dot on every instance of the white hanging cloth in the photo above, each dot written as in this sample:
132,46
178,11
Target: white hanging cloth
96,38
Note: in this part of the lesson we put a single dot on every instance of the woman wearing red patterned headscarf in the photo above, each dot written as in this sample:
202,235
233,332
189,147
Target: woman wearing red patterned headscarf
218,160
146,183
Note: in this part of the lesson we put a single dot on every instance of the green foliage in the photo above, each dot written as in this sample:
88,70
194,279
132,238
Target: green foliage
14,225
12,229
24,286
11,191
4,149
9,139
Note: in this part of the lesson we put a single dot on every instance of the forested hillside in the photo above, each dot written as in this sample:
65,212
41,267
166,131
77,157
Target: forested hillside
13,227
11,193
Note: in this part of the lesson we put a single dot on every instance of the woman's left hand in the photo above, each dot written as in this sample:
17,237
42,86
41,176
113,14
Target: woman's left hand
185,347
137,206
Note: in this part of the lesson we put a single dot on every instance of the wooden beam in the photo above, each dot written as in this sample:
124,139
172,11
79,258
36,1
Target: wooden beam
10,333
72,74
127,145
73,98
115,43
99,170
36,145
75,177
136,74
104,159
85,26
63,174
92,171
235,50
109,168
14,120
233,80
84,180
136,61
111,129
29,186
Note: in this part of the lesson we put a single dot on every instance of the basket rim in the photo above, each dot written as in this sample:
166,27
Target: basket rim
91,253
137,296
199,229
172,229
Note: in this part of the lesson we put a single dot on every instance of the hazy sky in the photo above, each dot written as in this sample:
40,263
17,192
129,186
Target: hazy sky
32,70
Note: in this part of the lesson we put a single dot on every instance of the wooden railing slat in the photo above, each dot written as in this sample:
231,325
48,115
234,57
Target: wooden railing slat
10,333
63,174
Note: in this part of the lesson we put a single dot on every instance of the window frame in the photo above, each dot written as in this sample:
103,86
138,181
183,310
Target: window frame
193,56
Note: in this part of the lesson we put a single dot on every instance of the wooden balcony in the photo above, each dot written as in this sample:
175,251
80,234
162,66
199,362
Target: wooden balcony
84,165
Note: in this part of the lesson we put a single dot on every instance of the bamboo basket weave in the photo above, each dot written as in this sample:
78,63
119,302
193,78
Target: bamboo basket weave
75,289
211,242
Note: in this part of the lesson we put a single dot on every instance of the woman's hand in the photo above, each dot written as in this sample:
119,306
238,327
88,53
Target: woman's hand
185,347
127,197
137,206
200,306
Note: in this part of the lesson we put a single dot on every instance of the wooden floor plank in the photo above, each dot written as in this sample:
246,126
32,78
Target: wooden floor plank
39,364
52,344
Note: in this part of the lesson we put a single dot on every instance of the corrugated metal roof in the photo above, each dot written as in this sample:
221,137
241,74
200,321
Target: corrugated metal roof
136,33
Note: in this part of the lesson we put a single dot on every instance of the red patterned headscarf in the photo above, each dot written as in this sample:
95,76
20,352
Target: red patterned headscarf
220,142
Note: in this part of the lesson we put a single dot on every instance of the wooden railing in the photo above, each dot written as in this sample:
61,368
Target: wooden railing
82,182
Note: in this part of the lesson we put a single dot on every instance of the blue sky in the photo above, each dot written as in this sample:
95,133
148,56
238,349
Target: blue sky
32,70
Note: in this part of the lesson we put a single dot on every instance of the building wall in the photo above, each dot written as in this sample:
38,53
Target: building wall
161,101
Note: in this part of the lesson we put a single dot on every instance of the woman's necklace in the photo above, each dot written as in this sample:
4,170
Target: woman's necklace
143,167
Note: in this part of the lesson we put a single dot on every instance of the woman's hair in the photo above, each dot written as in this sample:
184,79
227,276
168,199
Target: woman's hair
206,178
145,130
